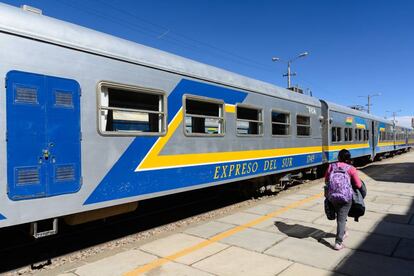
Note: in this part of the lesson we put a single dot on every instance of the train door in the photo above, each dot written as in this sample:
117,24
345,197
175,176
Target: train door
43,135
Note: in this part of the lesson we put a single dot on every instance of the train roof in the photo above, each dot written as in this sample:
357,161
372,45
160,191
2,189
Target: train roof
44,28
350,111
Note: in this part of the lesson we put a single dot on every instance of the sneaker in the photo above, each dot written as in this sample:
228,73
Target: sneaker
339,246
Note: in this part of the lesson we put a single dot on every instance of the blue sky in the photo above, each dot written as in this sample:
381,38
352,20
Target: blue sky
356,47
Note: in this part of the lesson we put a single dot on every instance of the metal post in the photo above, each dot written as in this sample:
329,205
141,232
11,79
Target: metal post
369,103
288,74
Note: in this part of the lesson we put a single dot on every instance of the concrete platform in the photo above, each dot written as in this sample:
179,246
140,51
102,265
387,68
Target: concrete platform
286,236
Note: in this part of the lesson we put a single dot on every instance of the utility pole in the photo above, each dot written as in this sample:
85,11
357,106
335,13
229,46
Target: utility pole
289,74
394,114
369,100
289,63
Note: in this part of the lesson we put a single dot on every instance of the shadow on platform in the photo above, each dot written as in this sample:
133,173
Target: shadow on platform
391,172
302,232
388,248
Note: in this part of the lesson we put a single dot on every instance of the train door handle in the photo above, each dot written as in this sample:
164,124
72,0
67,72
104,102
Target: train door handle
46,154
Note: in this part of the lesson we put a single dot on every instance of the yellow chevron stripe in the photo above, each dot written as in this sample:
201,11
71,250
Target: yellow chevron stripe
230,108
384,144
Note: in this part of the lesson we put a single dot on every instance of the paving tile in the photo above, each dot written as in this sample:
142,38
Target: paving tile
405,249
377,207
300,215
169,245
311,192
238,261
368,264
262,209
116,264
282,202
267,224
319,208
239,218
399,209
364,224
374,215
209,229
394,200
295,197
174,269
308,252
202,253
253,239
369,242
395,229
301,269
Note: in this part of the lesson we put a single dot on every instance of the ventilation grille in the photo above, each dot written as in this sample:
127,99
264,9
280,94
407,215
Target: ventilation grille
27,176
26,95
65,173
63,99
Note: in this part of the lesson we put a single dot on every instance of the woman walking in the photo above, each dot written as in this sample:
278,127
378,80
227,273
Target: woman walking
340,179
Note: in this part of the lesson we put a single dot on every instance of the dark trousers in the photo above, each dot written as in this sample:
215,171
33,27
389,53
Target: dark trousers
341,211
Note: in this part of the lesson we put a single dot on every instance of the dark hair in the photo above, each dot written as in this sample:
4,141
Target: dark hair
344,156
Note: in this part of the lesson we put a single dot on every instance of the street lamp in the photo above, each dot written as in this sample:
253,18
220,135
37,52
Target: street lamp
369,99
394,113
289,62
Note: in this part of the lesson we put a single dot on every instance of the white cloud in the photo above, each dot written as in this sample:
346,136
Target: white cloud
404,121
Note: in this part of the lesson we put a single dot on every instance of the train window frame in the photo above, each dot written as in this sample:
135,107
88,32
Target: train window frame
259,122
221,116
340,135
309,126
289,124
348,137
103,88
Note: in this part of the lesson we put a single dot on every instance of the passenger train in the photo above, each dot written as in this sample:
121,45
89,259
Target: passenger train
92,124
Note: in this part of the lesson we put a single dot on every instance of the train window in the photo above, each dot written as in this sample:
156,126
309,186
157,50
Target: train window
303,127
382,136
203,116
366,135
336,134
130,110
348,134
280,123
249,120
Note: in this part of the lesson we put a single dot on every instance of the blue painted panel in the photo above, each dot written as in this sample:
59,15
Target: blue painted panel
25,135
182,177
2,217
63,135
43,130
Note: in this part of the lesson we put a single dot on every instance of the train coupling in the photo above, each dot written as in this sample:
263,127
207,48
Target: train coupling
44,228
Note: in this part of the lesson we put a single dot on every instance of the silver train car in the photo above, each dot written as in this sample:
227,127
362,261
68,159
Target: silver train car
93,124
